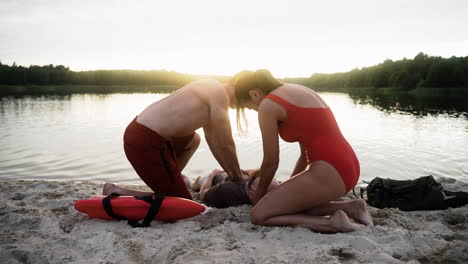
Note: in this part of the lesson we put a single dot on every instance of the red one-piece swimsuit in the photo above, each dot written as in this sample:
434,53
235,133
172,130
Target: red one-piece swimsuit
316,129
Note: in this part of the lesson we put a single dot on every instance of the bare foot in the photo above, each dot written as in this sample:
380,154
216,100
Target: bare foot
358,211
109,188
341,222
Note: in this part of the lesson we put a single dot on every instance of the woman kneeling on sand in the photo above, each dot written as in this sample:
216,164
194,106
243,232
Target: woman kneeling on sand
217,191
327,167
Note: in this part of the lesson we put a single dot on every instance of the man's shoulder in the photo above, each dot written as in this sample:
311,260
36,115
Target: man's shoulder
208,82
211,91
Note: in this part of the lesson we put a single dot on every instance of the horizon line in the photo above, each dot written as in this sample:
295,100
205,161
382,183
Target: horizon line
219,74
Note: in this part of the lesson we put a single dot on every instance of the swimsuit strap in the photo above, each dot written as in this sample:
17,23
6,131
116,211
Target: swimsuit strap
287,105
280,101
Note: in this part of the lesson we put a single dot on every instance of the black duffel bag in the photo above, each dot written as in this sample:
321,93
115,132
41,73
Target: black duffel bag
423,193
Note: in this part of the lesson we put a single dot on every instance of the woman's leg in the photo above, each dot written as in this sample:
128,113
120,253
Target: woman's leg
318,185
355,209
337,222
110,188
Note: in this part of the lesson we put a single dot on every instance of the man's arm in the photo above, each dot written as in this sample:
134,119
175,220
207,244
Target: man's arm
219,136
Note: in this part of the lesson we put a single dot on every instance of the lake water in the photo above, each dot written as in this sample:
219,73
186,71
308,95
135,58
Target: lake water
79,137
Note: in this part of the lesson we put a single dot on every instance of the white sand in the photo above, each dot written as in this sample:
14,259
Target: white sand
30,232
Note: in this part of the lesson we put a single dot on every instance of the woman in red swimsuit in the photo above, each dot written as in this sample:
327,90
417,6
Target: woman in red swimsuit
327,167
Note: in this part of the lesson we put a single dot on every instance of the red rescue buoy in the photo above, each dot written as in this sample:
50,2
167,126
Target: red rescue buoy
172,208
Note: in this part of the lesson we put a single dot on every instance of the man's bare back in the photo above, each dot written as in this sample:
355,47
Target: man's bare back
186,110
200,104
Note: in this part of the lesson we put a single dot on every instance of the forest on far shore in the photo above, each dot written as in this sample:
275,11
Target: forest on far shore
422,72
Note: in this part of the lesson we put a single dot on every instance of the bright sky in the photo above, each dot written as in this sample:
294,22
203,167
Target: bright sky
291,38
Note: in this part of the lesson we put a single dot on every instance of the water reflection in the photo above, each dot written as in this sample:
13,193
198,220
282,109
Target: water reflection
79,137
416,105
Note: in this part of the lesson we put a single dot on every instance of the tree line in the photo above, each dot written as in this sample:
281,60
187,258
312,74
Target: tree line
422,71
60,75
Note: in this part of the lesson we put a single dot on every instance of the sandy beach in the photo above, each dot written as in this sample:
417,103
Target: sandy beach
33,230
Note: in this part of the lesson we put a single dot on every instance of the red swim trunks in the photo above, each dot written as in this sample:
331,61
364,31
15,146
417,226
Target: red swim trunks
154,159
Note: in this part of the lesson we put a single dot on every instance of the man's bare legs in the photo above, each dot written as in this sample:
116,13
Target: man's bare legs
110,188
182,160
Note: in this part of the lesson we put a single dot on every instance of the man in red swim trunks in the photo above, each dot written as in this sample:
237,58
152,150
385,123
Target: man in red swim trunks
160,140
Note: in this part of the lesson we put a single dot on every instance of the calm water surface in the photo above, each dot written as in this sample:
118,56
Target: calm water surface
79,137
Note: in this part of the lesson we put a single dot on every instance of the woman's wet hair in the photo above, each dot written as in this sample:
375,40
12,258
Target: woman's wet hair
246,81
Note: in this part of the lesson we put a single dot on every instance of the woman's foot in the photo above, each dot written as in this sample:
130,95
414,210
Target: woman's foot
357,210
340,221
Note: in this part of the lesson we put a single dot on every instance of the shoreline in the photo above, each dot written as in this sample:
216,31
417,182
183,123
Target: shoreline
57,89
32,211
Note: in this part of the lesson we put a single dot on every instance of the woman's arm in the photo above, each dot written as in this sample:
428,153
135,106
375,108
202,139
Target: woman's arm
268,121
208,183
301,163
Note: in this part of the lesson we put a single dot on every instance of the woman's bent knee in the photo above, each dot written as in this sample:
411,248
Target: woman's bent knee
256,218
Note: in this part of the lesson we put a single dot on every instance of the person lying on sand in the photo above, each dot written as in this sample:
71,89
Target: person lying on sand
226,193
200,180
216,177
216,189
